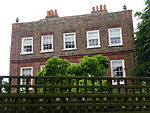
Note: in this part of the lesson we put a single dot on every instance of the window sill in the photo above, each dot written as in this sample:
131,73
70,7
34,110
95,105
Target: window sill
26,53
115,45
70,49
50,51
93,47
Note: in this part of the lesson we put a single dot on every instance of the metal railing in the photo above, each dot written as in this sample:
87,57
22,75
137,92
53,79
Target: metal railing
65,94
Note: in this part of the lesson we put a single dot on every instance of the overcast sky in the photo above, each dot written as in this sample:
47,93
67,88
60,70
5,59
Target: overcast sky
34,10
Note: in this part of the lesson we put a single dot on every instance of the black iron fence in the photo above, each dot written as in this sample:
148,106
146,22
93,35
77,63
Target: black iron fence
74,95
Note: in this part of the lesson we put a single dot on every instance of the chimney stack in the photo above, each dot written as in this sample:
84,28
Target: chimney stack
52,13
101,8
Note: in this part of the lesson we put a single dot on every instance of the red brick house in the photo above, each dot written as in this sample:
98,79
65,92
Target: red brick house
72,37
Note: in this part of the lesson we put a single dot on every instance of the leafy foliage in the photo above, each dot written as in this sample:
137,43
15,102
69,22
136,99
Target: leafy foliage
142,42
55,67
93,66
76,69
88,66
58,67
143,69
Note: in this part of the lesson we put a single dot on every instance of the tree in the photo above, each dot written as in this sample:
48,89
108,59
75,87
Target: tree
88,66
55,67
76,70
93,66
142,42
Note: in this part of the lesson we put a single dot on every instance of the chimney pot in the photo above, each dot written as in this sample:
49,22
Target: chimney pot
96,8
52,12
101,8
55,13
104,7
93,9
47,13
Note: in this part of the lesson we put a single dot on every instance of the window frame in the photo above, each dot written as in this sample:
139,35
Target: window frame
41,67
21,69
64,40
121,40
97,37
49,50
22,46
123,66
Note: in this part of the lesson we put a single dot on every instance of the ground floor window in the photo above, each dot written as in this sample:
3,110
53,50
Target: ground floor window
117,70
41,67
26,71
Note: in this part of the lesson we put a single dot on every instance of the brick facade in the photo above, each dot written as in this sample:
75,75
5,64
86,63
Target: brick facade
56,26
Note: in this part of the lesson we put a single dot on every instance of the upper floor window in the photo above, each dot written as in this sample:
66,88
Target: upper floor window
115,36
27,45
93,39
69,41
117,69
47,43
26,71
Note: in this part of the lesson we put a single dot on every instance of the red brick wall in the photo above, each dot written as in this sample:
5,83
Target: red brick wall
79,24
129,62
